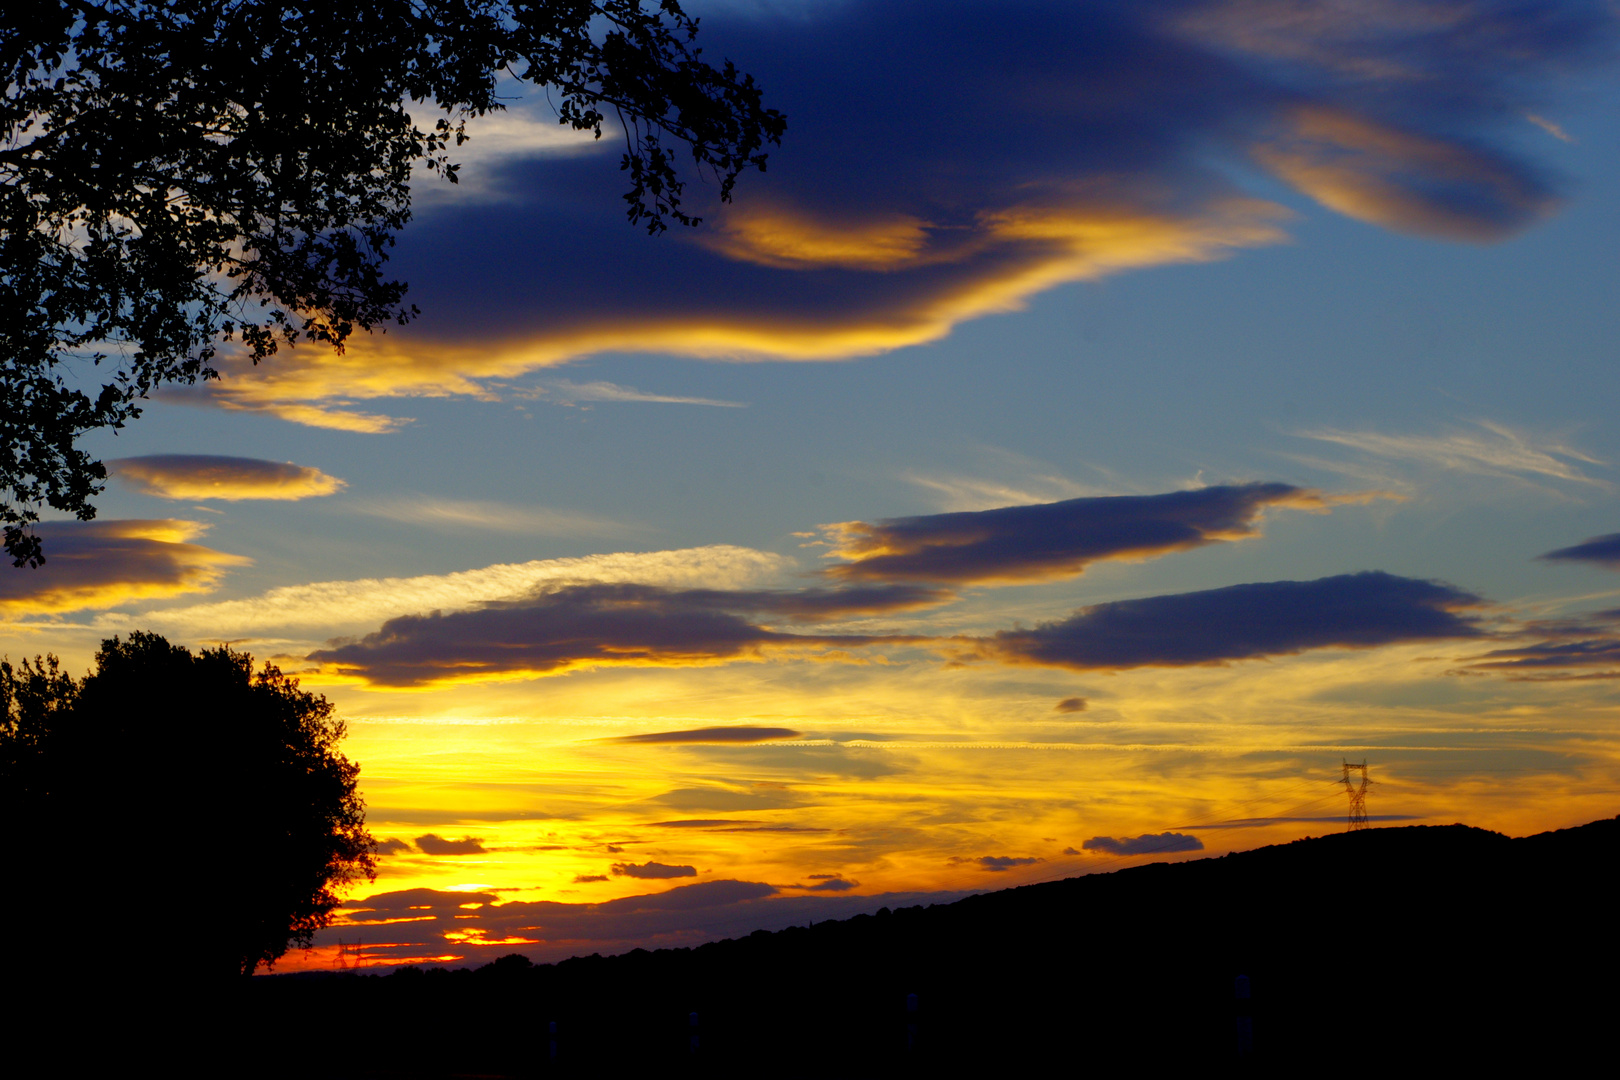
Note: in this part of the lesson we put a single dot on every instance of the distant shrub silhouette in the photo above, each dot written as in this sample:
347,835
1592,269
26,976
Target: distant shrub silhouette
175,807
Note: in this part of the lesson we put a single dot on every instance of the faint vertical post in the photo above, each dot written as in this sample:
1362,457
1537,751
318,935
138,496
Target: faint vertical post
692,1025
552,1031
912,1005
1245,1018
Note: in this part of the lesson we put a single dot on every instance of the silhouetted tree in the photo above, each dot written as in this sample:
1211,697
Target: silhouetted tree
176,173
177,806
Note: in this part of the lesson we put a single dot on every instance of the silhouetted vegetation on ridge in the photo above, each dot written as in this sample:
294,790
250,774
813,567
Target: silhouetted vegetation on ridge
1446,947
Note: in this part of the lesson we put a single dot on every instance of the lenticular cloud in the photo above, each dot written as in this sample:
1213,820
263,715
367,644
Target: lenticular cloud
1005,148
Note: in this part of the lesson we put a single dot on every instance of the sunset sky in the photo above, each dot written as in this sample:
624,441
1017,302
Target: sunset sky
1100,422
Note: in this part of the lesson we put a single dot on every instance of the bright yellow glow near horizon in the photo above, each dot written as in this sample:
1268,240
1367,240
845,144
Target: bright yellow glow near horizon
904,778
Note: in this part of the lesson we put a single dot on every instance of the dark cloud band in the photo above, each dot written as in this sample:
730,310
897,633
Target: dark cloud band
1146,844
1600,550
1010,145
1585,647
737,734
653,870
578,627
1243,622
1031,543
431,844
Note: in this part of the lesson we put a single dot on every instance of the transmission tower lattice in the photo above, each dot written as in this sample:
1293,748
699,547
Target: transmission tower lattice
350,957
1358,795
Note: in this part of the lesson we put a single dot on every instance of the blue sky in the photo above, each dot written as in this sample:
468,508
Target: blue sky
1363,250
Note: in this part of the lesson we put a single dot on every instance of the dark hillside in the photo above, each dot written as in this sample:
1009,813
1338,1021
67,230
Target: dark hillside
1397,948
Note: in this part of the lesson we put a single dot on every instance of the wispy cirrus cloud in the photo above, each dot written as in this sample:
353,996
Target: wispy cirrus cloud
883,221
961,492
1488,449
524,130
208,476
322,608
107,564
438,513
567,392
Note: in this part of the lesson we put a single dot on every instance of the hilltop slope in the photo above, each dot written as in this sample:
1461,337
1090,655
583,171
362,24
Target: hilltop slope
1448,945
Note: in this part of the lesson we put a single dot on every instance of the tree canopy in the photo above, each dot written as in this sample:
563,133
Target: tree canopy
178,805
175,175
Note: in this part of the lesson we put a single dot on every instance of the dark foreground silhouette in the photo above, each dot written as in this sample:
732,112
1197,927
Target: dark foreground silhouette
1392,949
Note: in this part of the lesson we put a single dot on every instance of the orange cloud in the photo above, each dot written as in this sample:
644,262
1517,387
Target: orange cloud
105,564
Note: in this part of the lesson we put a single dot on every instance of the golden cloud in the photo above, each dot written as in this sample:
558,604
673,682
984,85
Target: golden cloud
1005,257
789,238
206,476
106,564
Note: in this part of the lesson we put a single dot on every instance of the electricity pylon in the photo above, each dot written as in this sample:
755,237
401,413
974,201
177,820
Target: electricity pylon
1358,795
350,957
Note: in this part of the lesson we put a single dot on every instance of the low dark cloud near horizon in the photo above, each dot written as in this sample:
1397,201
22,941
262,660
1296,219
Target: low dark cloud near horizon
740,733
1599,550
998,864
1008,146
1243,622
733,825
1147,844
653,870
576,627
1050,540
1577,649
431,844
1070,705
550,930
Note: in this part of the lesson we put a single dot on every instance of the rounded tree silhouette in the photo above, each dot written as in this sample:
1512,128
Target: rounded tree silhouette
181,806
